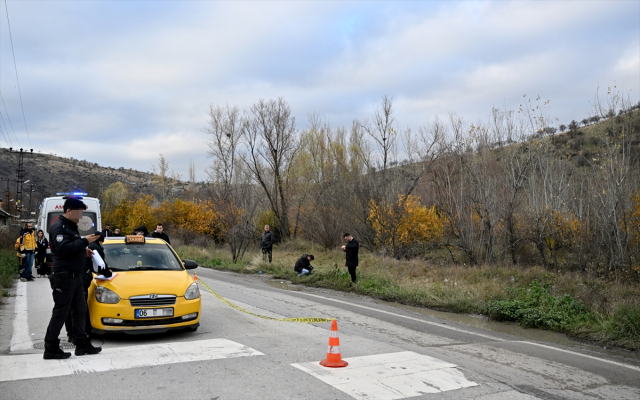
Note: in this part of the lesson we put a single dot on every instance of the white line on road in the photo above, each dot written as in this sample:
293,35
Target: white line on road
390,376
476,334
440,325
20,339
30,366
584,355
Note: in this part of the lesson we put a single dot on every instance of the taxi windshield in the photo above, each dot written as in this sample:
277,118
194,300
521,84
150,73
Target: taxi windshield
141,257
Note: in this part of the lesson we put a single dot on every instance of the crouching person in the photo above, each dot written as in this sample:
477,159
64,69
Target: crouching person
69,252
303,265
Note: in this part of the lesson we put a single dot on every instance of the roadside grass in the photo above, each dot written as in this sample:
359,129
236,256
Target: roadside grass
567,302
8,270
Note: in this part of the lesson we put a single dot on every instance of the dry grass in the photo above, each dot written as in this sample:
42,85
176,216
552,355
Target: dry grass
613,308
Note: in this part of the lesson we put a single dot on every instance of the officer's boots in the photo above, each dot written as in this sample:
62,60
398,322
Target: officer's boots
52,351
84,347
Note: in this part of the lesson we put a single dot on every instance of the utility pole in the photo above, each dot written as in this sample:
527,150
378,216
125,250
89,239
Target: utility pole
19,178
7,193
30,197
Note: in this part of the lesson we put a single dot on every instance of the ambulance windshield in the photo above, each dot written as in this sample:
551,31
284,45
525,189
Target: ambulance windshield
86,226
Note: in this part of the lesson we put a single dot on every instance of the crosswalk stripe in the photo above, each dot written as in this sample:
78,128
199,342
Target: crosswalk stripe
390,376
31,366
20,339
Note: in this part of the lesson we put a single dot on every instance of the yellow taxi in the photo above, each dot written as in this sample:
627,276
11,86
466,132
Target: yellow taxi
150,292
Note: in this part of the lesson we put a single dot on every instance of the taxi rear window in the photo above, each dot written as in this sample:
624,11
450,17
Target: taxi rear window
136,257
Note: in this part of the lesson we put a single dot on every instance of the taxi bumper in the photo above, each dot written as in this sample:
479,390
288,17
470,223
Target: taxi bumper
120,317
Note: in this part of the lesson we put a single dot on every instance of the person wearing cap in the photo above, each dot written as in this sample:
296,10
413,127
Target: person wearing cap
87,277
303,264
351,255
69,254
106,232
266,243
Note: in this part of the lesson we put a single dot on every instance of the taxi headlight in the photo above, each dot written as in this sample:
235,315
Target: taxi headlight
104,295
192,293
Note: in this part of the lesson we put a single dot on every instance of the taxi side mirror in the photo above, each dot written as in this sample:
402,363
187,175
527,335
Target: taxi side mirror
188,264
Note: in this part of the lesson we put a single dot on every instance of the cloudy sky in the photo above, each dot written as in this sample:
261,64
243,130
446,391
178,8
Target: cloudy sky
118,82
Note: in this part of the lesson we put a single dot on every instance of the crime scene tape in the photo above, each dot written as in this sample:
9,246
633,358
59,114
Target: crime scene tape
227,302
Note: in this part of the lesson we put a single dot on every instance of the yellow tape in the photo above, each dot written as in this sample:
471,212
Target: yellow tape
299,320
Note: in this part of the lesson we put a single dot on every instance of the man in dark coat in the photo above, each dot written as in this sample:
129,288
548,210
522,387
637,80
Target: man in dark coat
106,232
351,255
69,253
87,277
160,233
303,264
266,242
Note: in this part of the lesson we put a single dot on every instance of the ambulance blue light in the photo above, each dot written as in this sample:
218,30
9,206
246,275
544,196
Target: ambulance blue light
72,194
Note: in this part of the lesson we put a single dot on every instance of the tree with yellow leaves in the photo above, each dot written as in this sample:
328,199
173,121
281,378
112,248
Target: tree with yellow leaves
404,228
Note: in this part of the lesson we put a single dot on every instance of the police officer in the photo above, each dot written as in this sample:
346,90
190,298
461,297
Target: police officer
69,252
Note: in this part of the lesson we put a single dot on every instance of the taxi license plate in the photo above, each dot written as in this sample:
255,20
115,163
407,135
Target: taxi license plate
154,312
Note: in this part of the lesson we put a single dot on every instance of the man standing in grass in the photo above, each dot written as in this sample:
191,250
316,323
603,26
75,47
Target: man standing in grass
266,242
351,255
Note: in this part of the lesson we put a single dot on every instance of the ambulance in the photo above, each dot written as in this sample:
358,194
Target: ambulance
51,209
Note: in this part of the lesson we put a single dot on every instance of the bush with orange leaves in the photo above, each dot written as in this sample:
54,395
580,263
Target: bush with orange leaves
195,218
129,214
404,228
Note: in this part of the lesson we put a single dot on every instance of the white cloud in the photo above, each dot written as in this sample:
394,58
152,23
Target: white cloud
134,79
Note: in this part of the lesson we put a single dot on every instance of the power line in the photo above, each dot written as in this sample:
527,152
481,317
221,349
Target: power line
16,69
6,136
10,124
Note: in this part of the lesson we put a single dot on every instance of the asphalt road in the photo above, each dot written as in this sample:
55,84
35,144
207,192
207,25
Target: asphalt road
393,353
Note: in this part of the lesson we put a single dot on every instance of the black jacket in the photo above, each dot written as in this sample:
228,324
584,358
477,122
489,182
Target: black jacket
162,236
352,253
68,249
267,239
41,247
107,232
302,263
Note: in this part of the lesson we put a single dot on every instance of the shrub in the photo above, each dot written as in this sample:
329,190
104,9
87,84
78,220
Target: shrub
535,307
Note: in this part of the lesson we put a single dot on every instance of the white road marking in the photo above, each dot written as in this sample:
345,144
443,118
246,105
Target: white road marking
477,334
584,355
31,366
440,325
390,376
20,339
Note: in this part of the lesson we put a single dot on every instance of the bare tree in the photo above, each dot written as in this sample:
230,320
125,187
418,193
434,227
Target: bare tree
192,171
163,179
271,144
230,190
614,191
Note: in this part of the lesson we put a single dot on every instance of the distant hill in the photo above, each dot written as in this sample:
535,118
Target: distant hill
581,144
51,174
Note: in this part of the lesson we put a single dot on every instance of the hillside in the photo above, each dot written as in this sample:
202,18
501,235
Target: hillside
582,144
50,174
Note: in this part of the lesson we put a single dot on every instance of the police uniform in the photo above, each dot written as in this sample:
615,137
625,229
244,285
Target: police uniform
69,256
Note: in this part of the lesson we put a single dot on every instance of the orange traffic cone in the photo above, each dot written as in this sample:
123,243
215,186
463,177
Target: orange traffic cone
334,359
195,278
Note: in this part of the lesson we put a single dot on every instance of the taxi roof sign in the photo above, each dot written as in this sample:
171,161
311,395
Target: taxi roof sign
134,239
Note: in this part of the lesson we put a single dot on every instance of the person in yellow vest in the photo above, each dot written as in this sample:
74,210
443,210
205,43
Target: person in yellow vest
20,258
28,249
